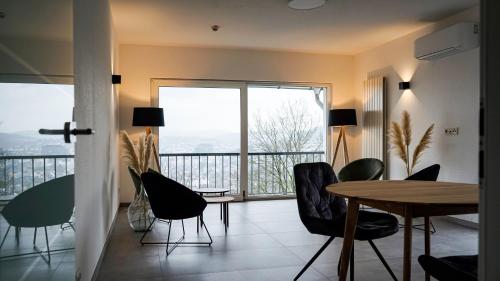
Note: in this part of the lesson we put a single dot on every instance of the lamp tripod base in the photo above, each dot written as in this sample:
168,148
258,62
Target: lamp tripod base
341,138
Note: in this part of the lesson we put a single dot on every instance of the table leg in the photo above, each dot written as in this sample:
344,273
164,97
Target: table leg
350,228
427,229
407,244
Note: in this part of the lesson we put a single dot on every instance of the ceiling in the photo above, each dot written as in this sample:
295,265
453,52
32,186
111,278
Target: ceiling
340,26
42,19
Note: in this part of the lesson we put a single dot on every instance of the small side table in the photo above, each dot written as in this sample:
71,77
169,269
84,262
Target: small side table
224,202
212,192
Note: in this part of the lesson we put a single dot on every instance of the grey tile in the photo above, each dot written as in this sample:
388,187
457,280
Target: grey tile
265,241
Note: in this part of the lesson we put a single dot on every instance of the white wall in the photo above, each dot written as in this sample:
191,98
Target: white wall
96,161
138,64
444,92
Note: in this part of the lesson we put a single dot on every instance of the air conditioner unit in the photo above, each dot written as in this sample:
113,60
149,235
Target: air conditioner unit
455,39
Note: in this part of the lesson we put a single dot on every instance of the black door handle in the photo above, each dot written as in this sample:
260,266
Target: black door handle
66,132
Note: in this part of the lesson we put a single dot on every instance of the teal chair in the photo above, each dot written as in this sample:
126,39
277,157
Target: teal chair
364,169
47,204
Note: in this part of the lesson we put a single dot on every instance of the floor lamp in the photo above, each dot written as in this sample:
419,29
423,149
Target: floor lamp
149,117
342,118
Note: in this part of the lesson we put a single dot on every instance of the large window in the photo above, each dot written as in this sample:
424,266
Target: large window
26,157
243,136
200,143
286,127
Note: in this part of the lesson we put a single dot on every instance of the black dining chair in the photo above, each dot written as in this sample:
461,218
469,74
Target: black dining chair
364,169
453,268
323,213
430,173
170,201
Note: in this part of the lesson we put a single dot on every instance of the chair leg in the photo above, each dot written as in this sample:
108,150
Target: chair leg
351,269
314,258
47,242
34,236
382,259
147,231
5,236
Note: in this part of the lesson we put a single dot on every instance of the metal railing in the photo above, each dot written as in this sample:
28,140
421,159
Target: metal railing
268,173
18,173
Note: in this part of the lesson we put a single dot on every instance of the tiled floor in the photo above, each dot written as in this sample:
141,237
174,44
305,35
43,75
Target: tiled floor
33,267
265,241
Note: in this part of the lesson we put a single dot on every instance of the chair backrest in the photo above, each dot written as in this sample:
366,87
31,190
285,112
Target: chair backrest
430,173
313,201
46,204
362,170
136,179
170,199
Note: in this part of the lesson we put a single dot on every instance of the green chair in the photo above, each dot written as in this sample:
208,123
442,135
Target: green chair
47,204
364,169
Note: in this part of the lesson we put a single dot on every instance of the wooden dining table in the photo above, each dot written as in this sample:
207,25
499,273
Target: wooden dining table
409,199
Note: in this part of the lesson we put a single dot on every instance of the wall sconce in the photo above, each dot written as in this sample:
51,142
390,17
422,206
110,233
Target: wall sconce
404,85
116,79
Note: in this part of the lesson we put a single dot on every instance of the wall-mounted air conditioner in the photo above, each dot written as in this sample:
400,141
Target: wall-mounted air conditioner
455,39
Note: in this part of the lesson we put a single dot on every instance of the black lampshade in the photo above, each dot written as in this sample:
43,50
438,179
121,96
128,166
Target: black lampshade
342,117
148,116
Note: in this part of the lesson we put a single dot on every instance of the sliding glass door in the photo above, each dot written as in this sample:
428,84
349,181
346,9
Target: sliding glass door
286,126
200,145
241,136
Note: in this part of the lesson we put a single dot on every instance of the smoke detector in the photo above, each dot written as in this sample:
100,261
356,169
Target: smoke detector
305,4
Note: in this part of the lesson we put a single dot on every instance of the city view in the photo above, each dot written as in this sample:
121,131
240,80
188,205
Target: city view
285,127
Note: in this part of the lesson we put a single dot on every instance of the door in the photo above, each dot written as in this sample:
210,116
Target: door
201,144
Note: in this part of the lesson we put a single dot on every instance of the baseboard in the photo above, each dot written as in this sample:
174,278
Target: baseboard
105,247
466,223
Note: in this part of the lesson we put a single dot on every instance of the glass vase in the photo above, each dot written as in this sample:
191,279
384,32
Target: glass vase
139,212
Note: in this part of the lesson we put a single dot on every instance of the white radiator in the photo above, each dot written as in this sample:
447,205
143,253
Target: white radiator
374,124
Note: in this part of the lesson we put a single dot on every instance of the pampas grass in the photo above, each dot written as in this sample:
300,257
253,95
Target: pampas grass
129,152
137,155
425,142
401,137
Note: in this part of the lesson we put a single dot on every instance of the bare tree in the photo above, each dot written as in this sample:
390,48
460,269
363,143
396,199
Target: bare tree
284,135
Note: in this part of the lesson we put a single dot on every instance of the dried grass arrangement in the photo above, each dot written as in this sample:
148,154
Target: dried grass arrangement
401,137
137,154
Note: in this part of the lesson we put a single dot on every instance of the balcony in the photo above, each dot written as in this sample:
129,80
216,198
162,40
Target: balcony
268,173
18,173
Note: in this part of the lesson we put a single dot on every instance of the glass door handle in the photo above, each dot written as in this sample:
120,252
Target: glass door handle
66,132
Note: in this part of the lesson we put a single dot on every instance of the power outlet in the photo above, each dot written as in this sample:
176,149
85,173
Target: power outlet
451,131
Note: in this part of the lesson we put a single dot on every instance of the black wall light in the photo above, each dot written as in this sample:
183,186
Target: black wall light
116,79
404,85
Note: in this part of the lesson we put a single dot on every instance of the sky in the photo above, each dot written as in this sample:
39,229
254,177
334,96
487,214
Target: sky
199,110
29,107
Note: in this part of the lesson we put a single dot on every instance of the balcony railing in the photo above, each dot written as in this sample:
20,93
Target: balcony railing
18,173
268,173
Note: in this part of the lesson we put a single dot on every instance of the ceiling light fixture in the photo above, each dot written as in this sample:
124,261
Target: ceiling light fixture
305,4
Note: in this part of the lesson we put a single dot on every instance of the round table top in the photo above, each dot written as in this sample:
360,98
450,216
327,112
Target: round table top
218,199
211,190
409,192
